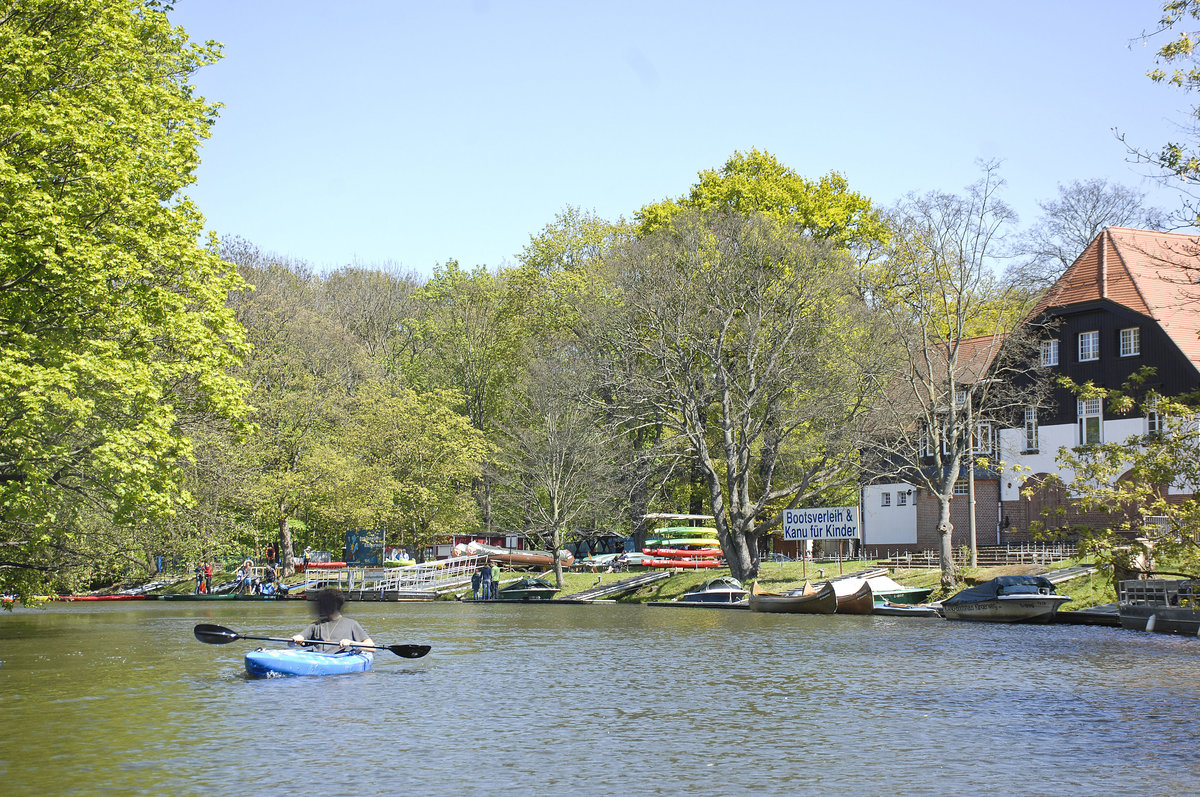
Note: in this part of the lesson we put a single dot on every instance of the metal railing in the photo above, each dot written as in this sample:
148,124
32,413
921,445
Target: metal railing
427,577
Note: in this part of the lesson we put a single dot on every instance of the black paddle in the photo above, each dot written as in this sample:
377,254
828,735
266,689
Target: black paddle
218,635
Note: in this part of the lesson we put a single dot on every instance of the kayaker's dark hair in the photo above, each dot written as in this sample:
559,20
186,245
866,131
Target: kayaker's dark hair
329,602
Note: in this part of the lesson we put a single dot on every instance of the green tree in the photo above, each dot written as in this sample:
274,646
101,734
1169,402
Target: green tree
474,330
756,182
113,321
750,346
303,371
1176,64
1145,485
416,460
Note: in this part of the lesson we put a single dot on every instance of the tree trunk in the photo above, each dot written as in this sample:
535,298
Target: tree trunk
945,546
286,552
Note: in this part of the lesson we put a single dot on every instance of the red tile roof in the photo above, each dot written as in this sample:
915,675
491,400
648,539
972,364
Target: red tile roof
1152,273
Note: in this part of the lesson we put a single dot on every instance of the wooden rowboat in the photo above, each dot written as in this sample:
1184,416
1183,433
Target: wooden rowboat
807,600
861,601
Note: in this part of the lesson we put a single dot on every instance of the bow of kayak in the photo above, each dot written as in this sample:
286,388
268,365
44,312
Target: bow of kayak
289,661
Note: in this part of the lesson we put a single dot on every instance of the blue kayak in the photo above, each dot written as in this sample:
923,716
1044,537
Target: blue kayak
289,661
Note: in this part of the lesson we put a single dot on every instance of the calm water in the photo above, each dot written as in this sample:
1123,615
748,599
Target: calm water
518,700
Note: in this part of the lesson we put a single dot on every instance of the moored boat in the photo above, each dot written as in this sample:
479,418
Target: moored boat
686,553
1006,599
806,600
686,531
889,609
528,588
722,589
1165,606
886,590
852,599
686,564
517,557
683,542
296,661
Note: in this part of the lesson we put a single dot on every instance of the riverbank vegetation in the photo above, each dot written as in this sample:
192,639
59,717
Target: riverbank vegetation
170,398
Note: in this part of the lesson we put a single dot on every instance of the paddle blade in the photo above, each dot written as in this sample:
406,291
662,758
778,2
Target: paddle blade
214,634
409,651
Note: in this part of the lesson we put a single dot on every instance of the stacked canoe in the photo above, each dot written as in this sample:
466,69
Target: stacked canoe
683,546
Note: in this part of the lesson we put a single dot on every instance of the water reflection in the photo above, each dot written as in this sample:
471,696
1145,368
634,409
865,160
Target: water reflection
593,700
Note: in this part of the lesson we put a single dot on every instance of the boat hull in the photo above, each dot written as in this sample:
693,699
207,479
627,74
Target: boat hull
672,553
861,601
289,661
1164,606
687,564
811,601
1160,619
1007,609
888,609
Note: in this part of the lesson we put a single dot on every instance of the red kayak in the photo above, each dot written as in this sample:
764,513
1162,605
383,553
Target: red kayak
681,563
671,553
321,566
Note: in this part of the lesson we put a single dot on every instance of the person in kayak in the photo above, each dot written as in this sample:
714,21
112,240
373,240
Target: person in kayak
331,626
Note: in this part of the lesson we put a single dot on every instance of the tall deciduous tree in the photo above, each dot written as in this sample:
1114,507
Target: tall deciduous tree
1069,223
474,327
750,347
556,464
112,319
950,374
412,460
756,182
303,371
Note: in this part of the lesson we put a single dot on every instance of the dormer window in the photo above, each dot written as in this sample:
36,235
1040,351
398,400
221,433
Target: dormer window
1089,346
1131,342
1049,352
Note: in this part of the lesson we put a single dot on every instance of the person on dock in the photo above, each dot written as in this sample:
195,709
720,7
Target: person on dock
268,585
245,578
485,581
199,578
330,625
495,580
476,578
208,574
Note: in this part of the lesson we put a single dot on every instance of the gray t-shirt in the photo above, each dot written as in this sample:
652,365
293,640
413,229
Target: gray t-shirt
335,630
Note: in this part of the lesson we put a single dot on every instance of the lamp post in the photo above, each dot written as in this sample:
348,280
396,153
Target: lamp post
971,475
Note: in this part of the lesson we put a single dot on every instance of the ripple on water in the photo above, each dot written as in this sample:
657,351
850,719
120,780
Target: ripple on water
595,700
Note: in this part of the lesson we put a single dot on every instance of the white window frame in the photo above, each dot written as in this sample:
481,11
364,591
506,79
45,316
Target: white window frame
901,498
1131,341
885,499
1087,411
1049,352
1154,421
962,487
1089,352
1031,429
925,444
985,438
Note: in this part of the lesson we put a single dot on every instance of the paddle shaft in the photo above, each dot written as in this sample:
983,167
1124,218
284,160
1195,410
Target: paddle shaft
215,634
308,642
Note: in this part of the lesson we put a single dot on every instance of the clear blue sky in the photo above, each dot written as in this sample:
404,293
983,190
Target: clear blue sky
413,132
